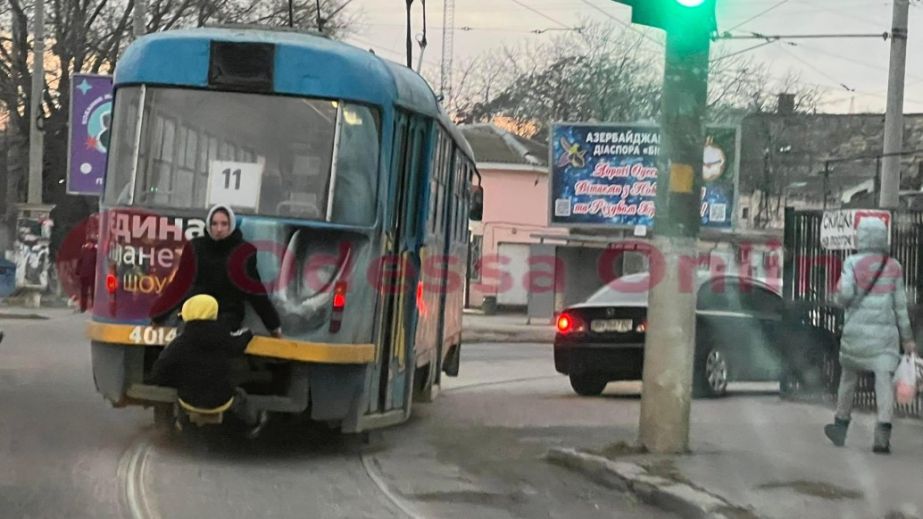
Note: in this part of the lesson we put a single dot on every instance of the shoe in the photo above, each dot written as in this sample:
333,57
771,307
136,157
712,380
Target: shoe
261,422
882,439
836,431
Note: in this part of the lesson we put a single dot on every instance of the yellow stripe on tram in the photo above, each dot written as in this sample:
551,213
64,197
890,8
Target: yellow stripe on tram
291,349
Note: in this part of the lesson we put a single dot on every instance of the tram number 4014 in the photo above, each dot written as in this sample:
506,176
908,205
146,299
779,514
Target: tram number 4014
151,335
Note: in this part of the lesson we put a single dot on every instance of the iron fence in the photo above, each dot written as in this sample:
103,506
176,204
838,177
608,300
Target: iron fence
811,272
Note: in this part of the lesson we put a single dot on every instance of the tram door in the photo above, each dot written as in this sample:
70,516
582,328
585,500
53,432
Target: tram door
391,380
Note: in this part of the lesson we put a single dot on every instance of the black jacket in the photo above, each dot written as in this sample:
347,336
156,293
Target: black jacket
225,270
197,363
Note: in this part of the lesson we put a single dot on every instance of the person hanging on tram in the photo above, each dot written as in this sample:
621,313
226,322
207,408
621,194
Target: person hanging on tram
220,263
198,364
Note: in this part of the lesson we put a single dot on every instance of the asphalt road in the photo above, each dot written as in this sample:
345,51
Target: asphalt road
476,452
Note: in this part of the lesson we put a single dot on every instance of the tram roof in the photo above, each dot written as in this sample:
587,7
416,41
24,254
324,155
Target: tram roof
302,64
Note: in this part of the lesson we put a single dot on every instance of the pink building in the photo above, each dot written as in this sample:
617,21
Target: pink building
514,173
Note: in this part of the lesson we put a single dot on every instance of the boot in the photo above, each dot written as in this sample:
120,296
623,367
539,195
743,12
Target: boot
882,439
836,431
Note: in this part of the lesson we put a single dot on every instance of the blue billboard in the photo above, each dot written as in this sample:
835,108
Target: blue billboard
606,175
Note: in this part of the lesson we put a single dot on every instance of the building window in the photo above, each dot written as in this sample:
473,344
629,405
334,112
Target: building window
474,257
745,213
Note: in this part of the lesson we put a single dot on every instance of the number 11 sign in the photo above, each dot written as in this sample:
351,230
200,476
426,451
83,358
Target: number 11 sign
236,184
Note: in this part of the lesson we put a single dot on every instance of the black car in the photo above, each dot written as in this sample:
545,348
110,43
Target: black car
743,333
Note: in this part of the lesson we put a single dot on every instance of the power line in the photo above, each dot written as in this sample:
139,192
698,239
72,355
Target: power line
817,70
850,60
775,37
468,28
744,51
381,48
536,11
761,13
624,24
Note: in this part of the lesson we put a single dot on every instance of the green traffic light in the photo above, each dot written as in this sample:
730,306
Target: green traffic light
690,3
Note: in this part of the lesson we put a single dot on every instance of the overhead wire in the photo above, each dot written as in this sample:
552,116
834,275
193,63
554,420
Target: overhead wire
536,11
624,24
758,15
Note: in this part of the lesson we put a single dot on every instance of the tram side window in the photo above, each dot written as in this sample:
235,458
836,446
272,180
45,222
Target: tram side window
458,189
122,148
437,165
354,198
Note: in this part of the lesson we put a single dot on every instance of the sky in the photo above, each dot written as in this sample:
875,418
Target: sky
852,73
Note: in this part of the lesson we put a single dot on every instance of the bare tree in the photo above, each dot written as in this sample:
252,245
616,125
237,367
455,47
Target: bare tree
89,36
602,73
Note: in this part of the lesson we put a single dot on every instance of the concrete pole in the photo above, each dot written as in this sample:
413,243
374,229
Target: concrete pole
138,26
666,391
894,117
36,138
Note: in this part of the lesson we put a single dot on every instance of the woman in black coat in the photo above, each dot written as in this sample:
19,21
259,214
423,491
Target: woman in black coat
221,264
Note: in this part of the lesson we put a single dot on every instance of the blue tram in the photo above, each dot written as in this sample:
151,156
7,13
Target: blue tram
344,172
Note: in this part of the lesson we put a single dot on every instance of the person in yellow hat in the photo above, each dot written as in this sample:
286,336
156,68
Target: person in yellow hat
198,363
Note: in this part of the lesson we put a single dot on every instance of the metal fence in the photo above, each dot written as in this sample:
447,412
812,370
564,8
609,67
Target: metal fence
810,275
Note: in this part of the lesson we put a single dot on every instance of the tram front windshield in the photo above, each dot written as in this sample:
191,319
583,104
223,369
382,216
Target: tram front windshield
262,154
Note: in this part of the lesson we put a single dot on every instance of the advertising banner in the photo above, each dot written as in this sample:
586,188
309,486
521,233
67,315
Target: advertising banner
606,175
838,229
90,127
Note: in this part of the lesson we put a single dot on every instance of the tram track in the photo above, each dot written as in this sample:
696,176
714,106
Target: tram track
134,464
132,474
370,464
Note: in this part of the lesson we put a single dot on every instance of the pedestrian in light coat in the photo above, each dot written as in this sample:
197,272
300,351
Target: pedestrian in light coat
877,325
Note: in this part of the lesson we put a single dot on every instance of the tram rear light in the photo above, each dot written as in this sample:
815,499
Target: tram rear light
112,283
421,303
339,304
339,296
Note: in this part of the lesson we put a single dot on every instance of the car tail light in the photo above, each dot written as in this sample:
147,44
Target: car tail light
565,324
339,304
569,323
642,327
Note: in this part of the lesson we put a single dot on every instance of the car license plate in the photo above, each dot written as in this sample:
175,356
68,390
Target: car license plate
611,325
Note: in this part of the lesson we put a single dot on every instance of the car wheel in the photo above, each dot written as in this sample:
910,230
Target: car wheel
711,375
588,384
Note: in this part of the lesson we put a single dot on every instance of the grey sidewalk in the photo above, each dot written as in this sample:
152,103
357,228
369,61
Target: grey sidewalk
771,457
477,327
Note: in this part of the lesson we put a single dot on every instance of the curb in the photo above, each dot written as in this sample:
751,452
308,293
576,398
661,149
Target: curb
6,315
476,336
669,495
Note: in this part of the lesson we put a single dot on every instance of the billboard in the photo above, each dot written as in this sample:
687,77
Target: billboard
90,127
606,175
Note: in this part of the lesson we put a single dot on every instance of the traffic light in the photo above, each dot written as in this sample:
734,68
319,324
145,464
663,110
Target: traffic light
695,16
